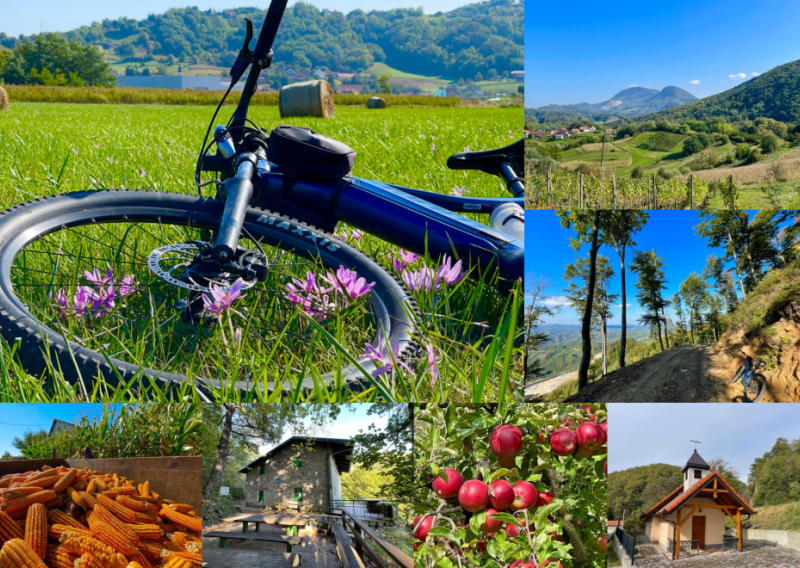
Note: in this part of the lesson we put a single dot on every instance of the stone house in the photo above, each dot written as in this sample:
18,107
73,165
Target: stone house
305,470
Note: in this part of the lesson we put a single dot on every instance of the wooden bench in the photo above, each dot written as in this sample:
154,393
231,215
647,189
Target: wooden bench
291,522
344,544
282,538
234,558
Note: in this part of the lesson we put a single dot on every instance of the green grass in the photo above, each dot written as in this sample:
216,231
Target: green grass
777,518
612,556
55,148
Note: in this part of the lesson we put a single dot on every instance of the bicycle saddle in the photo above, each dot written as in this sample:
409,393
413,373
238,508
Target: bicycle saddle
490,161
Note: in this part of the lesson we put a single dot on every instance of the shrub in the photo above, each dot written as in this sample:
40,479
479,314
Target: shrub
696,143
662,141
742,151
755,156
770,143
637,172
217,507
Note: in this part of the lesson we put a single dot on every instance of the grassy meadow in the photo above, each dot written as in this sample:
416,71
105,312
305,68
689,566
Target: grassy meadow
52,148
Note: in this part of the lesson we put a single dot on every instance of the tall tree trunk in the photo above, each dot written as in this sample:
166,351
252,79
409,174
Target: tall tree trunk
666,330
223,450
736,266
691,323
624,332
586,329
603,336
660,339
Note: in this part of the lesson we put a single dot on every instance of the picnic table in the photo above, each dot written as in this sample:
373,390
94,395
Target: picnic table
236,558
291,522
278,538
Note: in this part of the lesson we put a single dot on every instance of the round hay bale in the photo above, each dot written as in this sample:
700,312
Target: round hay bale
3,99
376,102
311,98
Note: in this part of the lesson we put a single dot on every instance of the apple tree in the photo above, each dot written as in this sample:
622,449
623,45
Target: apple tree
510,486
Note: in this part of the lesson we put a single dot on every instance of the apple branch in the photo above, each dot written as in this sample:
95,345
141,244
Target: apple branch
581,557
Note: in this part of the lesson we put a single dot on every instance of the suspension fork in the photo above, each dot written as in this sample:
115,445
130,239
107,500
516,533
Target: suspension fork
237,191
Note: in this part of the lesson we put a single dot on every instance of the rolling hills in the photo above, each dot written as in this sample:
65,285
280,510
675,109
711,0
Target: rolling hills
774,94
477,41
629,102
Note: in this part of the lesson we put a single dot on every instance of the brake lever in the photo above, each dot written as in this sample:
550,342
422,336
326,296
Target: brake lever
245,56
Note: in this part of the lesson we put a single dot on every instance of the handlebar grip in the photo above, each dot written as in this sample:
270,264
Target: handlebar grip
271,24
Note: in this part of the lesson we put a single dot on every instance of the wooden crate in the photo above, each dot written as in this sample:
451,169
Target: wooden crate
178,479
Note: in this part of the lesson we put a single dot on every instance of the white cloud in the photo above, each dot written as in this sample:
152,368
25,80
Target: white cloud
626,305
631,85
694,82
737,76
555,301
754,74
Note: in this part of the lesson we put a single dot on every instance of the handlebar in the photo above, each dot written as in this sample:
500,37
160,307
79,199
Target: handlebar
272,22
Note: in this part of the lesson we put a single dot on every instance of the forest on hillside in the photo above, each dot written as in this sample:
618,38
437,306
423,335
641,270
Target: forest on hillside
706,301
478,41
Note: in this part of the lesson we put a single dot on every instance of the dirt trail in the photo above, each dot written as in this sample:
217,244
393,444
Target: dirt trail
541,388
689,373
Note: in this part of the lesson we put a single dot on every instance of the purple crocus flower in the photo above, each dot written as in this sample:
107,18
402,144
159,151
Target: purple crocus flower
348,282
103,301
238,335
422,279
95,278
432,364
222,299
384,362
408,257
459,191
357,234
127,286
450,273
63,301
84,299
399,265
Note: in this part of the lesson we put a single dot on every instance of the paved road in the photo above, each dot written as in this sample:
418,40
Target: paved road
766,557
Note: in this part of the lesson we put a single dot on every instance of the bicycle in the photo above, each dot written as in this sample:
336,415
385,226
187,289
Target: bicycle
279,199
754,385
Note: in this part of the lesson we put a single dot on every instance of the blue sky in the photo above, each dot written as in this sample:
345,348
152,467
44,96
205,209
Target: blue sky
15,419
739,433
347,424
588,51
59,16
670,233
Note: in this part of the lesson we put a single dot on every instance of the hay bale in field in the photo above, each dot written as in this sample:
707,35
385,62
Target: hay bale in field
376,102
311,98
3,99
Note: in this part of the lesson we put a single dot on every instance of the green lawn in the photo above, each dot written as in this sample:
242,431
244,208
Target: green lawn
55,148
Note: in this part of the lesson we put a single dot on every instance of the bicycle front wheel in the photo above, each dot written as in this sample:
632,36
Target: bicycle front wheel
756,388
85,288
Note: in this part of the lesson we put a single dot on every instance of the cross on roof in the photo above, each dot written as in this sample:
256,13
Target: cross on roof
695,443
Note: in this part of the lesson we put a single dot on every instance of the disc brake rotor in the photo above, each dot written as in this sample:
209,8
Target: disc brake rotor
177,261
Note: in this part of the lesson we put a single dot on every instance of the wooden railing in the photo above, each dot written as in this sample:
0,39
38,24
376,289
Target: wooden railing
365,540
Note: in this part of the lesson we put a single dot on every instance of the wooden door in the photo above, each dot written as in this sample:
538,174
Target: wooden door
699,531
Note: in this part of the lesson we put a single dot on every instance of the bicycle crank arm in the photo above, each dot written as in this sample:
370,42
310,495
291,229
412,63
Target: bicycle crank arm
238,191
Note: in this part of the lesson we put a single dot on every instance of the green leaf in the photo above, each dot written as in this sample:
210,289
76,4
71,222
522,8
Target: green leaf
476,521
502,472
507,518
543,512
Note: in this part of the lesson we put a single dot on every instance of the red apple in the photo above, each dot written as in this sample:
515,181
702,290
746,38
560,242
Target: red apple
512,530
502,494
448,483
490,525
473,495
506,442
558,537
542,437
563,442
585,407
416,544
421,530
525,495
583,452
566,422
604,428
601,543
544,498
589,435
517,563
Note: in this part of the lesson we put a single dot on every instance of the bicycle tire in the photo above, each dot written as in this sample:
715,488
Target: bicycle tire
739,372
761,381
22,224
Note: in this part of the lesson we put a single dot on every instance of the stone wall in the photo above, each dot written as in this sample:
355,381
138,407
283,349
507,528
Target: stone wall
781,538
280,478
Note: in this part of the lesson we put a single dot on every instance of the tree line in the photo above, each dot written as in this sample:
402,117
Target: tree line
754,247
483,39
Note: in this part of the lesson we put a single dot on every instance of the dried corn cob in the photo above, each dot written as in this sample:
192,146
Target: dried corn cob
20,491
145,490
181,508
92,487
151,532
55,531
9,529
36,529
178,563
88,500
65,481
118,510
100,483
133,565
137,556
22,503
192,523
42,482
103,514
17,554
132,504
90,545
112,537
59,557
58,517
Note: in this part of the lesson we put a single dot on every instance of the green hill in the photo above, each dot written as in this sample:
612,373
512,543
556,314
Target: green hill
774,94
478,41
633,101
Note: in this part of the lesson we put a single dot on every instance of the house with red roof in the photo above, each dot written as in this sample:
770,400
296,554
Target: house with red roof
694,513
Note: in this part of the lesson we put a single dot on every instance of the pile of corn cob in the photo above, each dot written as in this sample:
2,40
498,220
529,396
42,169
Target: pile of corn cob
70,518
